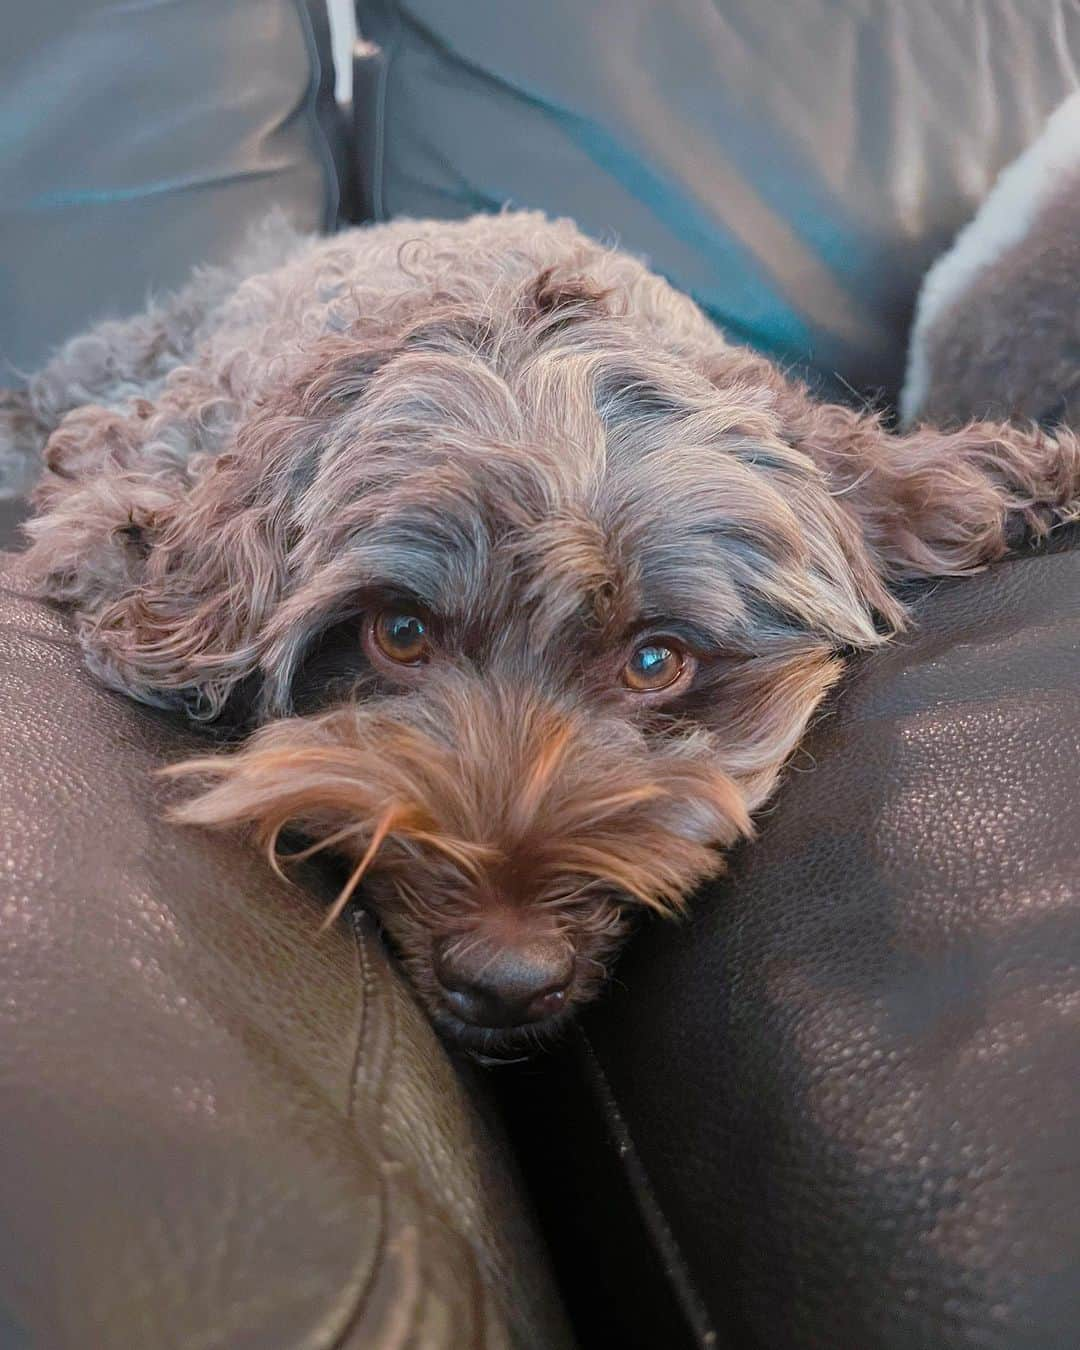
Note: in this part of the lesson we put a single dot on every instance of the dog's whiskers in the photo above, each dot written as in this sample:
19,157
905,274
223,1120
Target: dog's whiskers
563,899
420,909
302,855
381,831
468,857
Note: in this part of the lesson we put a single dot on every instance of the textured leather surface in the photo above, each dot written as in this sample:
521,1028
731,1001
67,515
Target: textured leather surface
794,167
845,1096
140,139
216,1128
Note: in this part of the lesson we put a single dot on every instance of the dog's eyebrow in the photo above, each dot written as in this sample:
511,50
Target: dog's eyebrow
723,587
388,561
697,636
443,572
692,587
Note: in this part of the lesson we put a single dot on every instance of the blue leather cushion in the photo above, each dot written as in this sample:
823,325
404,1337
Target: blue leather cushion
793,164
140,137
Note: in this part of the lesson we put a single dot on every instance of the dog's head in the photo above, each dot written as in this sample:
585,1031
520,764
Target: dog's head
528,614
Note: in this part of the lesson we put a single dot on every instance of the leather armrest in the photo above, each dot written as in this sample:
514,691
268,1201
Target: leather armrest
843,1100
216,1127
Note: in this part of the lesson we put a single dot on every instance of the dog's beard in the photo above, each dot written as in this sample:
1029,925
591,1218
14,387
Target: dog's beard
476,806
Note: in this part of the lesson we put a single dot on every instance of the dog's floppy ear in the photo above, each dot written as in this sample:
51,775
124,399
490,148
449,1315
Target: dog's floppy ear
186,633
174,560
170,578
930,502
944,503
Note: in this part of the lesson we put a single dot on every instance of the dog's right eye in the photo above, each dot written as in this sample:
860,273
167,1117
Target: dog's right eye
657,665
401,636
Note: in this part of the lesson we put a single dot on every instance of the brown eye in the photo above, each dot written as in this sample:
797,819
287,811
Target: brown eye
654,665
402,636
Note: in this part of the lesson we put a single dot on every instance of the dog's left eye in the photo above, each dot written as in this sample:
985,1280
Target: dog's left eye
655,665
402,636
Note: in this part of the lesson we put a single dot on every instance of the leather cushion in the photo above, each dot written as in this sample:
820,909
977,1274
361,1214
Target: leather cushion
13,511
138,140
844,1097
794,167
217,1129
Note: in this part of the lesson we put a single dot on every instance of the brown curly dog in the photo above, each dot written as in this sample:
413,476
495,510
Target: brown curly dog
520,581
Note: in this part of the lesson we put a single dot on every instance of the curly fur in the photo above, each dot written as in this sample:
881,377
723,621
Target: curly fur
549,450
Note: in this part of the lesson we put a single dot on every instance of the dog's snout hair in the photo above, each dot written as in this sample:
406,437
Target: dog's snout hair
481,812
552,457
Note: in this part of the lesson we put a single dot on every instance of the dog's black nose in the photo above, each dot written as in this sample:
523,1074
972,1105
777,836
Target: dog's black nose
504,986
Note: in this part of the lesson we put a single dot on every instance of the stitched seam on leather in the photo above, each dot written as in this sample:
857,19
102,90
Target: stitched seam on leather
656,1223
355,1312
379,1091
360,1020
378,155
331,186
353,1315
390,1166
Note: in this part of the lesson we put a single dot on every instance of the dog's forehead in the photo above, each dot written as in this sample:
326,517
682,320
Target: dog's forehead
511,544
537,487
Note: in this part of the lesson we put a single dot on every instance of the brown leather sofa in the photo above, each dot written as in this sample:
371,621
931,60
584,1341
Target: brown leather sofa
840,1107
219,1128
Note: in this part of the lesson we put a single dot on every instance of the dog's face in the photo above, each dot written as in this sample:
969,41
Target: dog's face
535,614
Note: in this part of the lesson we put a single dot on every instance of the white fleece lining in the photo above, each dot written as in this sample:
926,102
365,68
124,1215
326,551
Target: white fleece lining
1004,218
